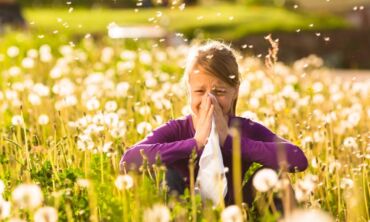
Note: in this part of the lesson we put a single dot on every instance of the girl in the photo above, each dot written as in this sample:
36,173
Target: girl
213,80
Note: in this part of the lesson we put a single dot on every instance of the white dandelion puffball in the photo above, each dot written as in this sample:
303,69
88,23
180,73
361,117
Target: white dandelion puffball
5,207
46,214
158,213
124,182
350,142
2,187
27,196
83,182
13,51
17,120
110,106
15,219
232,214
143,126
43,119
309,216
265,179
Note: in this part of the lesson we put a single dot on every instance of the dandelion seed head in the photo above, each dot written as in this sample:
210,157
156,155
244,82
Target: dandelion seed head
158,212
350,143
124,182
46,214
346,183
265,179
5,209
232,214
27,196
13,51
17,120
43,119
143,127
308,216
110,106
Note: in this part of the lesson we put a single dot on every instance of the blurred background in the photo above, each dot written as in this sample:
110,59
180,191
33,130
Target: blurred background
336,30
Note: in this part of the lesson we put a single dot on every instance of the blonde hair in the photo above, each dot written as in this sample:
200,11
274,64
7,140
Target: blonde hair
217,59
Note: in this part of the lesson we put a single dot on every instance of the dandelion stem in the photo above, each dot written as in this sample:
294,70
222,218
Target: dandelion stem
237,174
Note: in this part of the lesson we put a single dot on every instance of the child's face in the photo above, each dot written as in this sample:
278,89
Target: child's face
200,84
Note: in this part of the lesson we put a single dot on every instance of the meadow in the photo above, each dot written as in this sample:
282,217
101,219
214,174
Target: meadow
69,109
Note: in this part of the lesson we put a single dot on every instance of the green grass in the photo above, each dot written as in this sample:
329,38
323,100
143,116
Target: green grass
219,21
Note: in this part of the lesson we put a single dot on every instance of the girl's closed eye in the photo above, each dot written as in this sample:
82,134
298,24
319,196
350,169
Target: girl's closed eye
199,91
219,92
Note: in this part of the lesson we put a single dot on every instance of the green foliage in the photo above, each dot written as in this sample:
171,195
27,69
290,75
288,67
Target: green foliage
236,21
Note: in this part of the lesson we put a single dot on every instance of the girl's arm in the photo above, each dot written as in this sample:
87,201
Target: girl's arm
265,150
163,142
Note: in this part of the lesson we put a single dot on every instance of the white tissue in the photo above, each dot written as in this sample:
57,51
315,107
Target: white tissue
211,175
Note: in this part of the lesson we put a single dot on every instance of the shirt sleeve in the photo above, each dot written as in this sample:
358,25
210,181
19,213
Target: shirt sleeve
164,142
266,150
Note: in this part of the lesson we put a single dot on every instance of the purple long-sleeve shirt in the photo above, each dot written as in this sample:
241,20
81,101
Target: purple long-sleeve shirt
174,142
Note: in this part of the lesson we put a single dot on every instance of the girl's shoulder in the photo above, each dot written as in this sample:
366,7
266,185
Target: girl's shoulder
181,126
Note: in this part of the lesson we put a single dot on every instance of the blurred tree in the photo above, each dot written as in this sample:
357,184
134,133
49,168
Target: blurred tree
269,2
10,14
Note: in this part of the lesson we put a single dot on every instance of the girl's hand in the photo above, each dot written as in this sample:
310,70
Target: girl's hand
204,121
221,121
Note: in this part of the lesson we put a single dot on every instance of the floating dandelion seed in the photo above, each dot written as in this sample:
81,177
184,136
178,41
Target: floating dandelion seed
298,30
361,7
124,182
318,34
355,8
209,56
244,46
231,18
232,76
232,214
70,10
326,39
295,6
46,214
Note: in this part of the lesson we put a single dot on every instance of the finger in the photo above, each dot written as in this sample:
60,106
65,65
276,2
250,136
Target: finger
208,102
210,112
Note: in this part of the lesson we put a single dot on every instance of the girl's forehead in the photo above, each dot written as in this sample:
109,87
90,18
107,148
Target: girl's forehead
205,80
